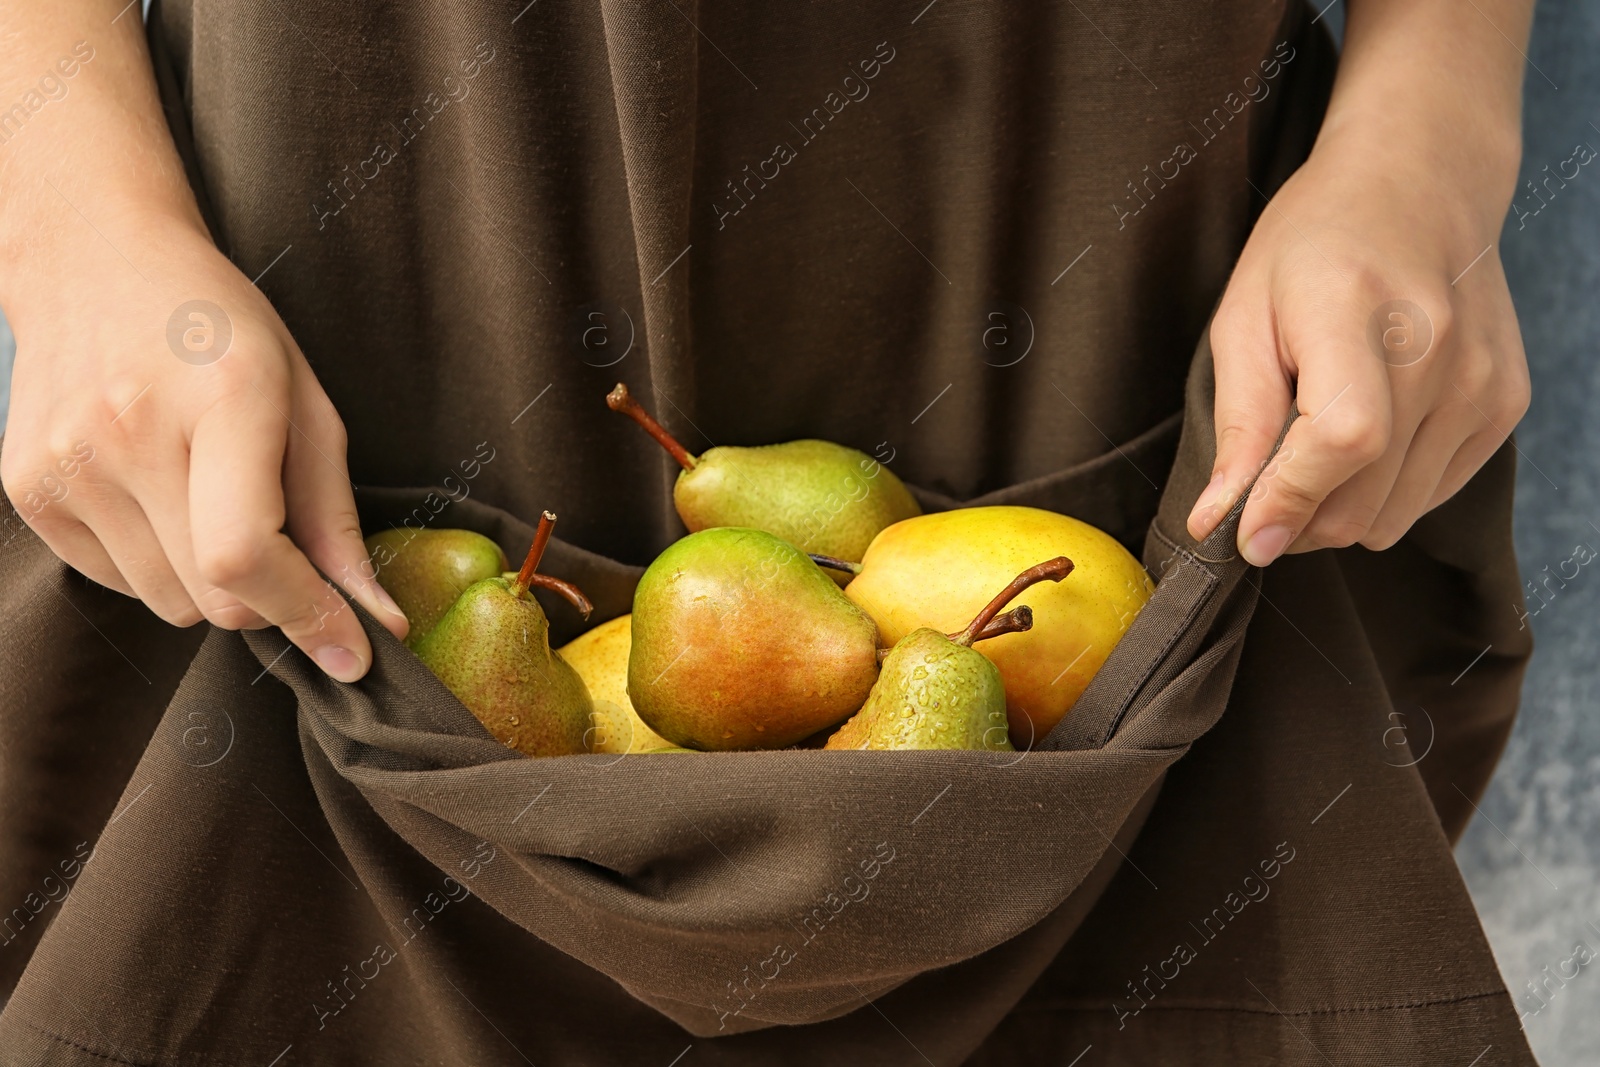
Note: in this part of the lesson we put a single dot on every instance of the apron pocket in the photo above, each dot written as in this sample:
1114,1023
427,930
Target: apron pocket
739,890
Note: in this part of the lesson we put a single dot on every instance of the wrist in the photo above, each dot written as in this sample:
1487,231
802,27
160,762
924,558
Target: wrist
64,241
64,232
1433,100
1428,162
97,195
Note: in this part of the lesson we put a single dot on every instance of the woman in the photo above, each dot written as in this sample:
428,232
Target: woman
369,245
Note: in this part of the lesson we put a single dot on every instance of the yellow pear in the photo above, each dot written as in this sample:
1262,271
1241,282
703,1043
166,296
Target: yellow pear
937,571
600,657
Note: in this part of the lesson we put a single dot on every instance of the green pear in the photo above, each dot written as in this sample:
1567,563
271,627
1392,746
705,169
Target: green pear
426,570
937,691
741,641
933,693
820,497
492,650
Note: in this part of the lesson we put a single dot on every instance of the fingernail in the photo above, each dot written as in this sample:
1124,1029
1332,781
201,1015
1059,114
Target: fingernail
339,662
1266,545
1204,508
386,600
1214,503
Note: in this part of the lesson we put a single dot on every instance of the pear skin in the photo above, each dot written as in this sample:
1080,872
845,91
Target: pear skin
600,656
932,693
426,570
821,497
492,650
816,495
936,570
741,641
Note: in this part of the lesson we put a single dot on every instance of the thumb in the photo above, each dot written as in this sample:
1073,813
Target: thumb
1253,397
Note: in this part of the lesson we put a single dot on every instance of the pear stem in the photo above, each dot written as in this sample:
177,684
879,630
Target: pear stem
541,538
834,563
1016,621
1051,570
572,593
620,400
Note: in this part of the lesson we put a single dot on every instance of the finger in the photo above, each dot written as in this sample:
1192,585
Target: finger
1350,511
1469,458
80,549
1253,397
122,527
236,510
1343,395
166,501
1428,456
1497,402
322,510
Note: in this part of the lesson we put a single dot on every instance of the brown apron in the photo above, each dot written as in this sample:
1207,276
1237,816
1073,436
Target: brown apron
957,236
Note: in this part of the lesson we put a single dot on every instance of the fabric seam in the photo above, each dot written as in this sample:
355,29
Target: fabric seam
83,1048
1240,1009
1132,692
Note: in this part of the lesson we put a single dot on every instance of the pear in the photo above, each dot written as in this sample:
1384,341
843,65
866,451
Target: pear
600,657
937,691
426,570
492,650
935,570
818,496
741,641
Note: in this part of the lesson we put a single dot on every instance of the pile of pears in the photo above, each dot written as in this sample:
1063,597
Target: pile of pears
811,605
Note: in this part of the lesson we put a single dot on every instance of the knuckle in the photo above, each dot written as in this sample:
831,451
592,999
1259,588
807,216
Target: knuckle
1383,535
232,615
154,583
119,402
1343,528
186,617
1285,497
51,522
1331,534
1231,435
326,416
25,455
308,618
243,378
1441,316
322,422
338,548
1497,390
14,461
1357,435
37,495
253,365
224,562
1368,279
1476,376
1515,395
336,435
178,612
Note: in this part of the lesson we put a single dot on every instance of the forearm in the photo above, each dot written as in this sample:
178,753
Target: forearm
84,146
1431,90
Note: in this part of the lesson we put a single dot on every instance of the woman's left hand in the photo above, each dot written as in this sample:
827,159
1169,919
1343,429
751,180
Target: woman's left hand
1371,296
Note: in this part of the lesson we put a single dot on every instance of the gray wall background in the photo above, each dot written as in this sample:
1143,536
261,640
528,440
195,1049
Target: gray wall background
1532,857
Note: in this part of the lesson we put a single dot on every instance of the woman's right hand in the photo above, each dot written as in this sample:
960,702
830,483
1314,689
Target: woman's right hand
166,436
168,439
